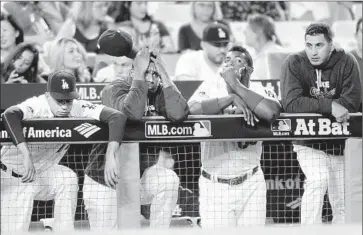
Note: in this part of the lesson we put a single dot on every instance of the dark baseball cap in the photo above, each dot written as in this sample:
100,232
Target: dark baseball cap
62,85
216,34
116,43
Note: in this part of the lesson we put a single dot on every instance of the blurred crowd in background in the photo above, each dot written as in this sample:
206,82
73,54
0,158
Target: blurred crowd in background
40,37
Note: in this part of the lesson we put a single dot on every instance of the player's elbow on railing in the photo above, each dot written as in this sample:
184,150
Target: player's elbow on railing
272,112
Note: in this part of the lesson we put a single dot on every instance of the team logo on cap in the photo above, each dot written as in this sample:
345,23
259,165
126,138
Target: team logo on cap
221,33
65,85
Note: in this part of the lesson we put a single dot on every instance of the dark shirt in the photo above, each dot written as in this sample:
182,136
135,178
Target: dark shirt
188,39
89,44
300,93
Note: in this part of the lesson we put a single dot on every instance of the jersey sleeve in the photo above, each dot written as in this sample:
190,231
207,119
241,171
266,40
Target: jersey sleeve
31,107
87,109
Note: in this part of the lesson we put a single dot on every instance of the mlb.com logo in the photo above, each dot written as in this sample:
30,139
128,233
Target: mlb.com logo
281,127
86,129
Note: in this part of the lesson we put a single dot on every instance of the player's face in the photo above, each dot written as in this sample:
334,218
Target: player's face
8,34
122,66
152,77
72,56
317,49
204,10
358,37
24,61
236,60
138,9
59,108
215,53
99,10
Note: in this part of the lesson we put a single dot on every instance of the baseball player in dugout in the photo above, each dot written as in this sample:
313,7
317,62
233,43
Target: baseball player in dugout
232,185
149,91
31,172
321,79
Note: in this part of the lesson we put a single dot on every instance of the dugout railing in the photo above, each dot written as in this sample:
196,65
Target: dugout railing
284,178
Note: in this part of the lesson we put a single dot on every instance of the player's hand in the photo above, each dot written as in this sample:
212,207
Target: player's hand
230,75
141,63
29,170
112,175
159,63
15,78
242,108
340,113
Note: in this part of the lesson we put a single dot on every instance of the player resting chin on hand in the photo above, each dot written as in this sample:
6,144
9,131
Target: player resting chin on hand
31,171
232,185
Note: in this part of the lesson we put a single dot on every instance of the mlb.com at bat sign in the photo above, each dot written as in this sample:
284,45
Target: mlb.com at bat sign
186,129
315,126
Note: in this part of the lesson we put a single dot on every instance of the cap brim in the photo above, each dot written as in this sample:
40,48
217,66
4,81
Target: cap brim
132,54
65,96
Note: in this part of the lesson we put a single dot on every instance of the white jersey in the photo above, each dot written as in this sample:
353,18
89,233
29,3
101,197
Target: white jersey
45,155
222,158
195,66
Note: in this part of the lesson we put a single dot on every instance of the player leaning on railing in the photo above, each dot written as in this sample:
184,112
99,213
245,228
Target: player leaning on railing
321,79
232,185
149,92
31,172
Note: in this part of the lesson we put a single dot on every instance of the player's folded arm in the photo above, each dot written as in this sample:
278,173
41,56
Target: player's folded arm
12,118
210,106
293,98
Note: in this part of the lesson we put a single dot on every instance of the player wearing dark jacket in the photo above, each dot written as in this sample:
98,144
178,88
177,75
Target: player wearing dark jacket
325,80
151,92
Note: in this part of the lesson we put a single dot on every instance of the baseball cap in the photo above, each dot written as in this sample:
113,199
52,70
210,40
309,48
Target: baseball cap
62,85
216,34
116,43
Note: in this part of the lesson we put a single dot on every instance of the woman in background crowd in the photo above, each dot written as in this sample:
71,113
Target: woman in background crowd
86,23
148,31
68,54
260,34
21,66
203,13
11,35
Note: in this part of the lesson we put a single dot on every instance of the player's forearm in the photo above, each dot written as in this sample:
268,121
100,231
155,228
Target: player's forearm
112,147
211,106
176,106
251,98
133,103
23,148
116,124
12,118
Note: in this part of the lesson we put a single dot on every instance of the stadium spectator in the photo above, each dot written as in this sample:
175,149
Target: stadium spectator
21,66
204,64
240,10
68,54
11,35
321,79
149,32
260,34
86,22
151,92
120,68
203,13
232,185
